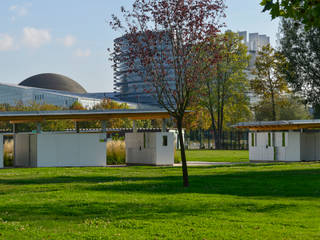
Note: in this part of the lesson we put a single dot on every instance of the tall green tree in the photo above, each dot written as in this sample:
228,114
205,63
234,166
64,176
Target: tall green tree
289,107
301,47
270,81
305,11
226,82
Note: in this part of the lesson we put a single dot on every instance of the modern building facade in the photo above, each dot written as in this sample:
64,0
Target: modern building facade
131,83
254,42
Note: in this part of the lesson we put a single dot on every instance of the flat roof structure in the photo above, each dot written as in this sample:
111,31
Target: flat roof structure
279,125
80,115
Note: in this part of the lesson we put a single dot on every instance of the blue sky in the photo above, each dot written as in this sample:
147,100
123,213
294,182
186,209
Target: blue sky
70,37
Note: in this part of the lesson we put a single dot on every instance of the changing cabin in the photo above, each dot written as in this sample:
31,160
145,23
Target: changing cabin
294,140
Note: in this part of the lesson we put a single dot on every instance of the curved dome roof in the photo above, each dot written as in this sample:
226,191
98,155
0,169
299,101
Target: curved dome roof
54,82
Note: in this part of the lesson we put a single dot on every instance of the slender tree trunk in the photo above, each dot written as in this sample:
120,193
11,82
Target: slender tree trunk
183,155
273,107
215,134
214,128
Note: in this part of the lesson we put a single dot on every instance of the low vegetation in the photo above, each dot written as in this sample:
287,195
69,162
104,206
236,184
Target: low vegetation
215,155
116,152
236,202
8,152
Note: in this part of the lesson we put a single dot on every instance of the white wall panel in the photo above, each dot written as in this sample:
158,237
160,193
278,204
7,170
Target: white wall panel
70,150
1,151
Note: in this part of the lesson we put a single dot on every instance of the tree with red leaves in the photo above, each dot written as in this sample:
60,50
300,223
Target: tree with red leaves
161,44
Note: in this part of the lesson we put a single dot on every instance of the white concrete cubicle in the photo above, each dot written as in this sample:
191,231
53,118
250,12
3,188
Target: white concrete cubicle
150,148
59,150
274,146
294,140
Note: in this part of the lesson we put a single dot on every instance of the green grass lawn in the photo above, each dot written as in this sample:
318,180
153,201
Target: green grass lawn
216,155
232,202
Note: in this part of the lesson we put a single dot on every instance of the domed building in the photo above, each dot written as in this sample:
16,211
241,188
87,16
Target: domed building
49,88
53,81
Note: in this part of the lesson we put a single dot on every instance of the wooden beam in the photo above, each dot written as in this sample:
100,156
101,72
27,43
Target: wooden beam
82,117
285,127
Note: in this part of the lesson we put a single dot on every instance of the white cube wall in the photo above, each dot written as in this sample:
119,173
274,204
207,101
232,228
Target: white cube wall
59,150
276,146
150,148
70,150
1,152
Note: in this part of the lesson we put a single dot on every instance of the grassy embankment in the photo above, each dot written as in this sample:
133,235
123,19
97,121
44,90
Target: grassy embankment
237,202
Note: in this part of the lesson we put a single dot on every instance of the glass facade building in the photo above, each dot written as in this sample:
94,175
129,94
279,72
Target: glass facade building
132,82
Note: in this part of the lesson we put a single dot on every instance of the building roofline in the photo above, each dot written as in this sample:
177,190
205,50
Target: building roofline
279,125
87,115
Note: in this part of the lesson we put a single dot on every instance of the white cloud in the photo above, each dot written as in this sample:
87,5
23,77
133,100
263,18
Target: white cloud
68,40
33,37
19,10
83,52
6,42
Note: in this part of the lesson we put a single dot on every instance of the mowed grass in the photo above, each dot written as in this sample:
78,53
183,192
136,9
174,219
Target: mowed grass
216,155
231,202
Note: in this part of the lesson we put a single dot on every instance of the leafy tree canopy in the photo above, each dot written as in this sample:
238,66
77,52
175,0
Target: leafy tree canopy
301,47
289,108
224,94
270,82
305,11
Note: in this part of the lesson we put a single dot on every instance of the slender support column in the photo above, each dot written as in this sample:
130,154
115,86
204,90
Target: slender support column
103,126
77,127
14,130
38,127
164,125
134,129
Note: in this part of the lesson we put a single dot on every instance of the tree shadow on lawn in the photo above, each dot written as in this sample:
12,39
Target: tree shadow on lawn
284,183
79,211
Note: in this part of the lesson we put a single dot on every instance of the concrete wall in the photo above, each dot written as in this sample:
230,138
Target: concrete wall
277,149
261,149
148,149
310,146
25,150
70,149
1,151
293,147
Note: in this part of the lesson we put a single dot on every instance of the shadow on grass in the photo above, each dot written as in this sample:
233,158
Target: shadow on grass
289,183
161,200
284,183
79,211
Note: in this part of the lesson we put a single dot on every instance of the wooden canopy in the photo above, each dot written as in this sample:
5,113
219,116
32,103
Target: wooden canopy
279,125
39,116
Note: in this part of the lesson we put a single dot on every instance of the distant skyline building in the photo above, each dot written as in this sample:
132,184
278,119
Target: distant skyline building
255,42
131,79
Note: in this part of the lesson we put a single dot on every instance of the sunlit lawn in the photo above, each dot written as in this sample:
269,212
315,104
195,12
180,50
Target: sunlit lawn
236,202
216,155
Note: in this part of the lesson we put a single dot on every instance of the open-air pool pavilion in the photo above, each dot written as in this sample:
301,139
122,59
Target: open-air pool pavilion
70,149
294,140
